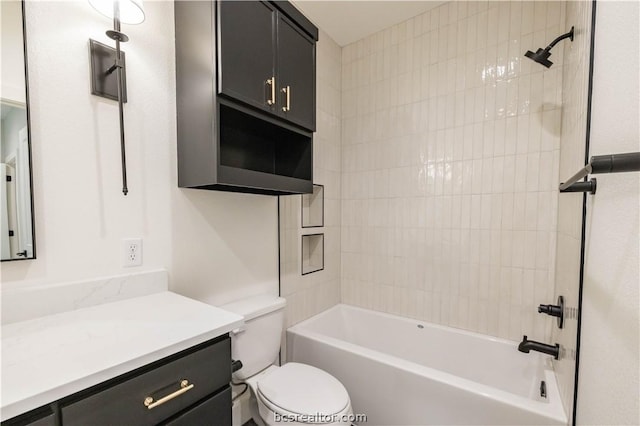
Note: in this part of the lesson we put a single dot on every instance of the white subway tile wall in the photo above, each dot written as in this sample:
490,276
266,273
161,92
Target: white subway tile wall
450,156
572,155
313,293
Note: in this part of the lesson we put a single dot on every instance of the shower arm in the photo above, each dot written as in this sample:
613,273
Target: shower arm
612,163
559,39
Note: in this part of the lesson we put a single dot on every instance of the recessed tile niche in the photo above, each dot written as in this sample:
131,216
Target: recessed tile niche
312,253
313,208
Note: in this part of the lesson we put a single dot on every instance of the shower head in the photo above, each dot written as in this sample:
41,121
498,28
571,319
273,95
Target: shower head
542,55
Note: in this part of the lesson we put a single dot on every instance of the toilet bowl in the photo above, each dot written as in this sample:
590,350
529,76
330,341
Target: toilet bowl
293,394
299,394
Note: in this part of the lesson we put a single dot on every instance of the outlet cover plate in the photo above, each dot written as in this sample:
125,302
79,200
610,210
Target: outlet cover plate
131,252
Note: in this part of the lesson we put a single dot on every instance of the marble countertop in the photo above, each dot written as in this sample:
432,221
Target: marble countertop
47,358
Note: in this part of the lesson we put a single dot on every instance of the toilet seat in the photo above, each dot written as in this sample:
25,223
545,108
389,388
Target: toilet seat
298,388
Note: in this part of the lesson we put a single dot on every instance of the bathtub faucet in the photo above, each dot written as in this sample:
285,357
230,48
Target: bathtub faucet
528,345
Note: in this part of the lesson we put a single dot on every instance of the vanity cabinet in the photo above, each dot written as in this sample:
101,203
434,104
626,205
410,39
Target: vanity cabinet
41,417
156,392
191,387
245,83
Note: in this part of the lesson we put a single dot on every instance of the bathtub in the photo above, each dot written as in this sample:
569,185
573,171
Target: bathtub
400,371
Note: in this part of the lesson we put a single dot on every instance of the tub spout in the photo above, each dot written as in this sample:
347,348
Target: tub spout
528,345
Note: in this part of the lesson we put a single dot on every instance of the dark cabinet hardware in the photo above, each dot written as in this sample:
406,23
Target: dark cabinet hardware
612,163
531,345
22,253
554,311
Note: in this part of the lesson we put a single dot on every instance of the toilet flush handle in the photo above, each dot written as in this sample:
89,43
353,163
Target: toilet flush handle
236,365
237,331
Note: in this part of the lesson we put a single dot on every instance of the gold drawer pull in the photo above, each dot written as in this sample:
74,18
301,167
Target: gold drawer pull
184,387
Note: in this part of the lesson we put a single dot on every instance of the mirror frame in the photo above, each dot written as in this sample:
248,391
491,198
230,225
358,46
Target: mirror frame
28,110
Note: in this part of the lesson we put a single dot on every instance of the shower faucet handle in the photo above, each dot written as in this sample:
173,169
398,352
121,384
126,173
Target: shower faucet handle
554,311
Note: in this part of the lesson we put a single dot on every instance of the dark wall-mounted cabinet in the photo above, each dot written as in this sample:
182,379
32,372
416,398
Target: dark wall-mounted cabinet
245,96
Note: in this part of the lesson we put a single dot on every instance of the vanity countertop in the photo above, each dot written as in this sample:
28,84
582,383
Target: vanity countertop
47,358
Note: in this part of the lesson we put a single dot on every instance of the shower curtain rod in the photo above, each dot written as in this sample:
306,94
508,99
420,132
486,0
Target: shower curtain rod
611,163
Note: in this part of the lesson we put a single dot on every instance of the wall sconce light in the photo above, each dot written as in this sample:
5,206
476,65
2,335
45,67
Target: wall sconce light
108,66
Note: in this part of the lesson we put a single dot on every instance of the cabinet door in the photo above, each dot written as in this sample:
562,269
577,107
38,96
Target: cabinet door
296,75
246,52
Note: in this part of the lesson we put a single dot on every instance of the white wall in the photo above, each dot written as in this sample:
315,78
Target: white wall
216,246
449,167
608,390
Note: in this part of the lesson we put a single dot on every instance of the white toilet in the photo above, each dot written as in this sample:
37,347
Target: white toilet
294,393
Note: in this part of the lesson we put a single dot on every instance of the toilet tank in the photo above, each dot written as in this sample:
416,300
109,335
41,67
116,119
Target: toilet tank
257,342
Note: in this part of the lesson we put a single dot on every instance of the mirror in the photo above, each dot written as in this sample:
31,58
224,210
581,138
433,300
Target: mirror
16,200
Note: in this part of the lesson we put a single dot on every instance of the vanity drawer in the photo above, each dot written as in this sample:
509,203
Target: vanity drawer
213,411
39,417
168,387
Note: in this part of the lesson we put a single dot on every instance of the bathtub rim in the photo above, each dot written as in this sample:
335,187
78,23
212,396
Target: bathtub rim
553,407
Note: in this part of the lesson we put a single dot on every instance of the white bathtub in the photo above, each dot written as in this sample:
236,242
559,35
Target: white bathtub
400,371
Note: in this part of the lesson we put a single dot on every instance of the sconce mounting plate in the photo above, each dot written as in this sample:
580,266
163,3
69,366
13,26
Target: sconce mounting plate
104,83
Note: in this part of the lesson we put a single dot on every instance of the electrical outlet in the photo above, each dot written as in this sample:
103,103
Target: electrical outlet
132,252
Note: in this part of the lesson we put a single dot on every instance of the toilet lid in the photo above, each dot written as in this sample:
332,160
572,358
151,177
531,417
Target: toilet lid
303,389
